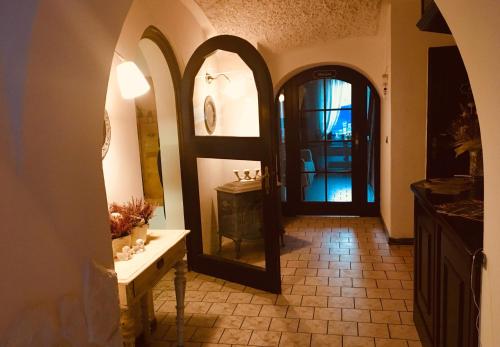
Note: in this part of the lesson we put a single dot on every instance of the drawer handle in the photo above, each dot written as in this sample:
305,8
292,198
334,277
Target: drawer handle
160,263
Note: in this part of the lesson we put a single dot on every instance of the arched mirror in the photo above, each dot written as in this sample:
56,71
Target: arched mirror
157,130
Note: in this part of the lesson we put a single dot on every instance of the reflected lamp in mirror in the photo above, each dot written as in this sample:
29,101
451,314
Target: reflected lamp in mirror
131,80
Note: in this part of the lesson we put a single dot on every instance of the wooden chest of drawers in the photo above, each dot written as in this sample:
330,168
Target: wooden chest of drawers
240,212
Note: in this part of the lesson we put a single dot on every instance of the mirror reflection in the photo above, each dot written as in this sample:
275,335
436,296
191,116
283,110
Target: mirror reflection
230,84
231,209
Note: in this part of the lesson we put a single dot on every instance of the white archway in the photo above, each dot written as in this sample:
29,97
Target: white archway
55,59
53,201
474,25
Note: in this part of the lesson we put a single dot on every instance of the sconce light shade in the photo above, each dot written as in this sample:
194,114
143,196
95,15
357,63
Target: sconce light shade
131,81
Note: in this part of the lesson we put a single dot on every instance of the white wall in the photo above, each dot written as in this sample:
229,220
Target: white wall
474,25
55,57
409,52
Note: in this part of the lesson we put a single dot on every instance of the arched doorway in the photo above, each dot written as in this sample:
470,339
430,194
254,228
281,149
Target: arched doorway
329,143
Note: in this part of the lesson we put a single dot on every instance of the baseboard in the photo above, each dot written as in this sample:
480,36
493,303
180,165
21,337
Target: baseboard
401,241
396,241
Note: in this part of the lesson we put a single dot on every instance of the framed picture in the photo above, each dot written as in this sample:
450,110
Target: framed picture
210,115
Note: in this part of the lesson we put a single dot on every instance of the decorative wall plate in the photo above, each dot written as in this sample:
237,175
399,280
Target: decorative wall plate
106,134
210,115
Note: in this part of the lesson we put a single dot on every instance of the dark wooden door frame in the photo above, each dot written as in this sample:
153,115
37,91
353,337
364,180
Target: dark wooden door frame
293,205
244,148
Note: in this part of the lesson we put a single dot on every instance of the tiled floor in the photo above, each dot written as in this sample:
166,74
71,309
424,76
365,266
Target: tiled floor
342,284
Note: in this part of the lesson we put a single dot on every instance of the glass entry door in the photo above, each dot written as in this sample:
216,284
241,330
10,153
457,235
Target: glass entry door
330,122
326,141
229,175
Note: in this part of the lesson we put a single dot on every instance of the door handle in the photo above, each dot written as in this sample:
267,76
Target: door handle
266,176
356,139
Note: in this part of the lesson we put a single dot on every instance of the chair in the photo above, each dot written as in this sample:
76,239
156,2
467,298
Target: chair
307,164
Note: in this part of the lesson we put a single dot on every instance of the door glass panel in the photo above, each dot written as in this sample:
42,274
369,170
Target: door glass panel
312,126
311,95
313,186
339,187
370,153
231,210
282,146
339,156
312,157
326,133
233,108
341,129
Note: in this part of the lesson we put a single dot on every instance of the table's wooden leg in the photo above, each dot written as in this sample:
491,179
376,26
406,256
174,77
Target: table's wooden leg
146,325
151,310
180,290
127,327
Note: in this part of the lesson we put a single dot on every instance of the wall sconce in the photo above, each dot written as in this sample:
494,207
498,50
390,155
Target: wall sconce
131,80
209,78
281,98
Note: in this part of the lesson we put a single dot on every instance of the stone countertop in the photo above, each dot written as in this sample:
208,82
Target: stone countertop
434,193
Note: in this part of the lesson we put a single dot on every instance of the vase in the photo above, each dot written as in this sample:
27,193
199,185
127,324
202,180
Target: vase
119,243
475,163
140,232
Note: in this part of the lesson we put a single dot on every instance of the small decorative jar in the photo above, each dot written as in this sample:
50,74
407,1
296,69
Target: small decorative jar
140,232
119,243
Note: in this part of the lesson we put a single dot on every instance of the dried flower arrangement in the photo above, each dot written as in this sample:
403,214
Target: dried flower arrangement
120,224
139,208
465,130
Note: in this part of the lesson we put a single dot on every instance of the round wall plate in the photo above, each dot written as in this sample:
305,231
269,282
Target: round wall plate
106,134
210,115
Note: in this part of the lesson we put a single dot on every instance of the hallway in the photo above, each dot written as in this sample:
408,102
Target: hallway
342,285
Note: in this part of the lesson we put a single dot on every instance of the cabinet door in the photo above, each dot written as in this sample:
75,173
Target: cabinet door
458,315
425,275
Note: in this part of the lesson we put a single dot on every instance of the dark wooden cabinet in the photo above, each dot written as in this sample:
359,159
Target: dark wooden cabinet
240,212
447,272
457,309
425,271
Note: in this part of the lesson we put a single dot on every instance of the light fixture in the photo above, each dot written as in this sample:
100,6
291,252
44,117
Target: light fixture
209,78
281,98
131,80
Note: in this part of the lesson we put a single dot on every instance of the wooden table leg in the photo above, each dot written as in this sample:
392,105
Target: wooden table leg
180,290
127,327
151,310
146,325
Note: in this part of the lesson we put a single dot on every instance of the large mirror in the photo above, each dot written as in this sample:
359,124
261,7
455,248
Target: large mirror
224,87
157,136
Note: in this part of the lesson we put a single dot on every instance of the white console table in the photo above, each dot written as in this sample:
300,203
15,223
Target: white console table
137,276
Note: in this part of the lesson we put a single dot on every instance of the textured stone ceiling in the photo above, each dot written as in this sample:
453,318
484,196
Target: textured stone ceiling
284,24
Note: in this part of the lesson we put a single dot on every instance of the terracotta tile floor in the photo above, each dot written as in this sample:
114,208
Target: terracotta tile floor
342,285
